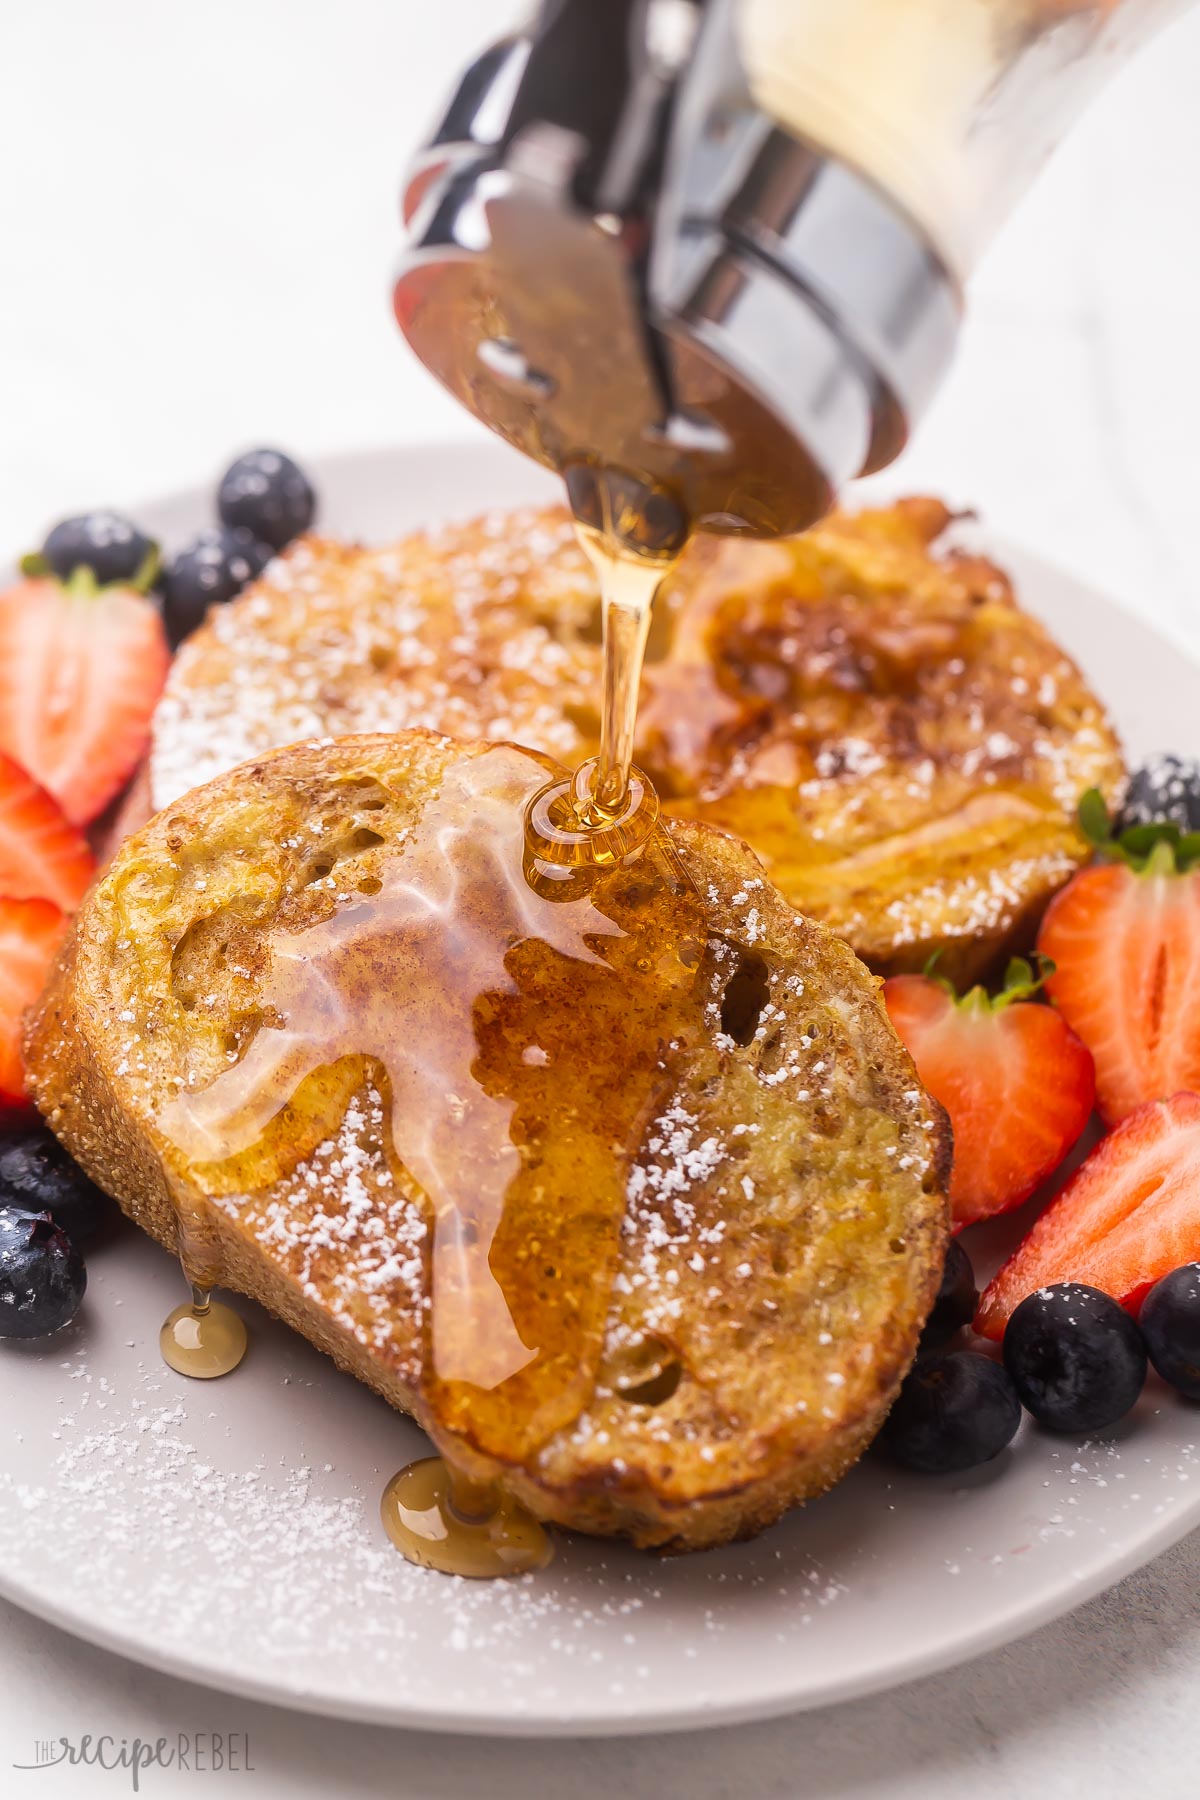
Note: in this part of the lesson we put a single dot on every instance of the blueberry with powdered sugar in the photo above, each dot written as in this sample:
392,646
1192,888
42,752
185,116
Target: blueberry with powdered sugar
42,1277
38,1174
211,569
268,494
1165,789
1170,1324
1075,1356
955,1411
105,542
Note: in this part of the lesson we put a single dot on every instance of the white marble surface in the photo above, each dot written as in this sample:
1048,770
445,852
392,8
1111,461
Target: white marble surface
197,223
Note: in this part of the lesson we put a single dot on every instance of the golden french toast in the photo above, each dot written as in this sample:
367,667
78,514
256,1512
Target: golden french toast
634,1200
902,745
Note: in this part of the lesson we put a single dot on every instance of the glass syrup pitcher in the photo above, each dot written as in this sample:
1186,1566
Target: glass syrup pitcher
721,244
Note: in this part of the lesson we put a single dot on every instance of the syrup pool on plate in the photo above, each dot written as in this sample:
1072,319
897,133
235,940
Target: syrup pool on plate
404,982
436,1518
203,1338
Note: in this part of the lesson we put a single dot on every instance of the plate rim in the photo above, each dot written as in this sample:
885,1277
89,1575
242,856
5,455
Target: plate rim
709,1715
476,460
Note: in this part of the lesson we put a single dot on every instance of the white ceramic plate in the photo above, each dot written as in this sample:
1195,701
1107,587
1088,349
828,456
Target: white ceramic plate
230,1532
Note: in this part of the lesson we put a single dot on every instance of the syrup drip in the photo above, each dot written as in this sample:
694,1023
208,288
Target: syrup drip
203,1338
459,989
633,534
628,584
437,1518
464,963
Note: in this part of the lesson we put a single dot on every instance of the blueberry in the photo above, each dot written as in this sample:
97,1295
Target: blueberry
1170,1325
269,494
109,545
38,1175
1166,788
954,1411
956,1298
1076,1357
42,1276
214,567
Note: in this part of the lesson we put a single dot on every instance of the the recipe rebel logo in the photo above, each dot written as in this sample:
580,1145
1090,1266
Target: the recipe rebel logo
199,1752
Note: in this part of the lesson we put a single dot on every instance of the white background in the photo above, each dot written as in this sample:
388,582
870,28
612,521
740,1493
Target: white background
198,219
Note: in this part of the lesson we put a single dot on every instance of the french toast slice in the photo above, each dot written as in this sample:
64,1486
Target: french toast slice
866,705
723,1211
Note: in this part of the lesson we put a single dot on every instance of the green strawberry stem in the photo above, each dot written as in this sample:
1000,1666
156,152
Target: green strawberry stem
1158,849
1023,980
82,583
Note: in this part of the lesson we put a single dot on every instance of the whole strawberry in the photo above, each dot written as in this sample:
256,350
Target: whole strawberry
1016,1081
1124,936
82,663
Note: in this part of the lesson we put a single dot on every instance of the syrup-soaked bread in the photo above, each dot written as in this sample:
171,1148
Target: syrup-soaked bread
727,1218
866,705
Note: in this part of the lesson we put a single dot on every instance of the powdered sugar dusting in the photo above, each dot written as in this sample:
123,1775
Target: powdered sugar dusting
233,1528
194,1521
870,708
427,633
349,1235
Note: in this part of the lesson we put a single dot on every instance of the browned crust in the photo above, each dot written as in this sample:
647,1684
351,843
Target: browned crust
655,1496
866,705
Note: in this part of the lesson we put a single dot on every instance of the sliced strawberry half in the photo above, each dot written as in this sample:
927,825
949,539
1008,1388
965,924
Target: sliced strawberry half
1127,1217
1016,1081
42,855
30,933
81,668
1124,936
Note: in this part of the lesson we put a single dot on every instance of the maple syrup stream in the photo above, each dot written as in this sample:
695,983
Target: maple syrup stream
434,1514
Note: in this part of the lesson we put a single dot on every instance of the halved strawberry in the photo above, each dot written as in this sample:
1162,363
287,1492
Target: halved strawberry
42,856
81,668
1124,936
30,933
1015,1080
1127,1217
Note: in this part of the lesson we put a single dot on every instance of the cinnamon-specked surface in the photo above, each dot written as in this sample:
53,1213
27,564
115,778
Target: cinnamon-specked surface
868,706
779,1173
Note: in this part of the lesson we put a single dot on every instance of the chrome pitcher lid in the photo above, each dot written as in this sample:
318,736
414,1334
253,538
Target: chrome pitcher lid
615,256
